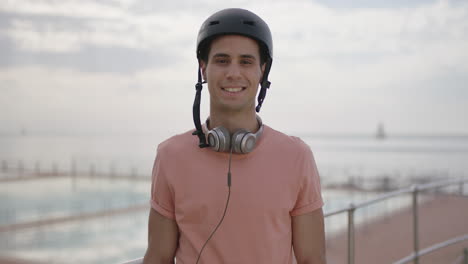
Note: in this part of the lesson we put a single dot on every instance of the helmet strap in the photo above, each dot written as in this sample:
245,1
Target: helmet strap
265,84
196,112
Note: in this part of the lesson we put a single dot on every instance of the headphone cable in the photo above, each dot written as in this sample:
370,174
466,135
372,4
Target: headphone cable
225,208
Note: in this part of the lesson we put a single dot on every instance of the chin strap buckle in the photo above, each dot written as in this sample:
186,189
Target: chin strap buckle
198,86
202,138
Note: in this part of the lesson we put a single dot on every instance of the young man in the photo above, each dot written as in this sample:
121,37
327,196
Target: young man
254,196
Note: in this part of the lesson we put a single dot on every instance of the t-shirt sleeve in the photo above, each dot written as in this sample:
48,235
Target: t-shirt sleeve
162,195
309,197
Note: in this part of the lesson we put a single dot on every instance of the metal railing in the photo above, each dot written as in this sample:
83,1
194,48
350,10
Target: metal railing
135,261
20,171
414,190
432,249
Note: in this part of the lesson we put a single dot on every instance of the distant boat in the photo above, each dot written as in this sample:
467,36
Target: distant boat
380,132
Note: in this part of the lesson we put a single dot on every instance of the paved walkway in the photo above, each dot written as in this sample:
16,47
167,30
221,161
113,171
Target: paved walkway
391,238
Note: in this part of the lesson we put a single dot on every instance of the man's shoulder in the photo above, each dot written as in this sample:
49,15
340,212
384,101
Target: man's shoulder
284,140
178,142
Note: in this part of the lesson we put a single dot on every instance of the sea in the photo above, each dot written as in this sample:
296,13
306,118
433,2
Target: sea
353,168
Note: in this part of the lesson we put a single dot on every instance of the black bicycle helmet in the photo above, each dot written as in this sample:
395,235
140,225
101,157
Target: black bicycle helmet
227,22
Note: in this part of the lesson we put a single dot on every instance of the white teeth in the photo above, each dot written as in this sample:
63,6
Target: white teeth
233,90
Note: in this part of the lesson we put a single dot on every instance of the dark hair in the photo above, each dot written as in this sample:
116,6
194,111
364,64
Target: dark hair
205,47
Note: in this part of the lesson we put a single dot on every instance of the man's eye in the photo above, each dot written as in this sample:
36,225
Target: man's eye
222,61
246,62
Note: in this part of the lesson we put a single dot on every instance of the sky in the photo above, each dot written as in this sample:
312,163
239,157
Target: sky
129,67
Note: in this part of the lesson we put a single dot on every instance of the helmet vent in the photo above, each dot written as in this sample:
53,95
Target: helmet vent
212,23
250,23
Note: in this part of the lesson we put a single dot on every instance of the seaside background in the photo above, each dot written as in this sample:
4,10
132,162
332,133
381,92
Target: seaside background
94,86
114,238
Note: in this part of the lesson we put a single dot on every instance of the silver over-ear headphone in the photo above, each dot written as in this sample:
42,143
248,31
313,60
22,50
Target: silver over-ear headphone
243,141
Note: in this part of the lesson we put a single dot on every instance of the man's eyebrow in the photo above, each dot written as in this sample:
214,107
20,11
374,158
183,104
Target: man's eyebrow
243,56
248,56
223,55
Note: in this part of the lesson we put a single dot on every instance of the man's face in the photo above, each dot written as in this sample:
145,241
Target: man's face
233,73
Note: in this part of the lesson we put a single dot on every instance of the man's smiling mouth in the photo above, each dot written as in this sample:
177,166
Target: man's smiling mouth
233,89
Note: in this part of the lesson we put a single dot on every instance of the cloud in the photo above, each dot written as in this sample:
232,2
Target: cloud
91,59
71,101
373,3
333,64
69,8
28,38
43,27
373,45
94,45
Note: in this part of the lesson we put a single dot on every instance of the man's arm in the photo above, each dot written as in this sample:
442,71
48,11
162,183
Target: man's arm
163,236
308,238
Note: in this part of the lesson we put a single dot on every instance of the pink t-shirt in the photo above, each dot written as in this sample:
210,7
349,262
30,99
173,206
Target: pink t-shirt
277,180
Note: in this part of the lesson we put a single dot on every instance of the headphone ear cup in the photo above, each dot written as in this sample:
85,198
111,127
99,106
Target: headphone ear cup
243,141
219,139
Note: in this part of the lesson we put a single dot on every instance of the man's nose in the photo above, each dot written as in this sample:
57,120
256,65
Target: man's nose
233,71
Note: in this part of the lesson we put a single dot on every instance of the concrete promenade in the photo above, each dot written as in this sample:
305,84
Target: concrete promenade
390,238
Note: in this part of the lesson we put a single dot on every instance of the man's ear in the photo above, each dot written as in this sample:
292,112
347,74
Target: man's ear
202,65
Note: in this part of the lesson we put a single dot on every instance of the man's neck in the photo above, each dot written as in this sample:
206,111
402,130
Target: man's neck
234,121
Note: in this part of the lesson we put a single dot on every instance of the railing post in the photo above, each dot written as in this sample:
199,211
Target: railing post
465,256
73,168
92,170
20,168
351,234
4,166
73,174
415,225
37,168
461,188
55,171
112,170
